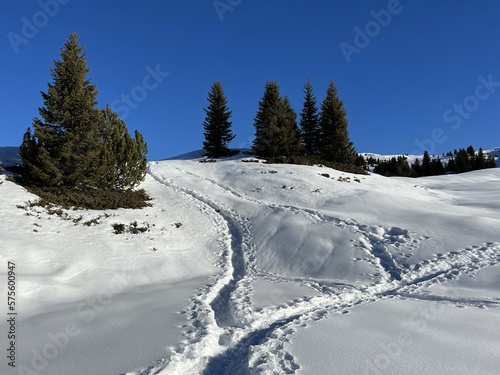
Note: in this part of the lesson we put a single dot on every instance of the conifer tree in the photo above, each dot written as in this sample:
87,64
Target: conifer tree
463,162
451,166
480,159
276,130
309,121
471,151
360,161
437,168
335,143
490,162
289,139
217,126
416,169
74,144
265,121
62,149
426,164
122,160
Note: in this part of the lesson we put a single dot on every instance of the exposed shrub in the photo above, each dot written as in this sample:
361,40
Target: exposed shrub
94,221
250,160
55,211
90,198
132,228
119,228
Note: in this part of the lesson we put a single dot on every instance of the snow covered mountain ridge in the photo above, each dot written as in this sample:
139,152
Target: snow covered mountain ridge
242,267
494,151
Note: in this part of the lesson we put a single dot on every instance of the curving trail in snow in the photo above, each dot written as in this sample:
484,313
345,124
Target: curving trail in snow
227,334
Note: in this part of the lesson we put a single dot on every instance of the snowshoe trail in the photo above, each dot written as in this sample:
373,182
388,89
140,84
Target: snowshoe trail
226,334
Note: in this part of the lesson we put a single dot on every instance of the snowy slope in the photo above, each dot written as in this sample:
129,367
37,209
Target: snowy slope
276,269
124,292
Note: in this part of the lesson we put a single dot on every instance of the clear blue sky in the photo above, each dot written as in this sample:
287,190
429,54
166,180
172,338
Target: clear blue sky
414,77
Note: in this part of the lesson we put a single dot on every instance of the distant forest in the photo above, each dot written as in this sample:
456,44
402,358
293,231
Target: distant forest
458,161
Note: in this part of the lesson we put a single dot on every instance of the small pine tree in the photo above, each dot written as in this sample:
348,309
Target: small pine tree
403,166
360,161
437,168
217,126
335,143
491,162
416,169
426,164
480,160
122,161
309,121
471,151
463,161
451,166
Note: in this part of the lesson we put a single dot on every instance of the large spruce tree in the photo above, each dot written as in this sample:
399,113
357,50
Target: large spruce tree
276,130
64,139
309,121
217,126
74,144
335,145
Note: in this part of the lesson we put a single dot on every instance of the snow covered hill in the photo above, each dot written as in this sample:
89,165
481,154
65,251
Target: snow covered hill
250,268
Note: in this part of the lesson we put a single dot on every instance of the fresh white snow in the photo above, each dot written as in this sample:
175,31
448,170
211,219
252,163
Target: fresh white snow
275,269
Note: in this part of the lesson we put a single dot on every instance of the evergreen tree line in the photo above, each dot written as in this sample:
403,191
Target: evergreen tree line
75,146
321,134
464,160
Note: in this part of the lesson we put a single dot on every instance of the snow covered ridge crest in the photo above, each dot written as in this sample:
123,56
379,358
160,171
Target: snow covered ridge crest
495,152
275,269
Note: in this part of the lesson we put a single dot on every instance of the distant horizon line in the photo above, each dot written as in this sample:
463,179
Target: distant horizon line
491,149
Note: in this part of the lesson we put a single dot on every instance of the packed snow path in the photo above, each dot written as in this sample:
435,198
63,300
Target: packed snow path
228,335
